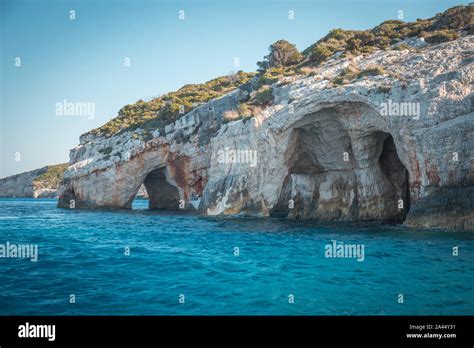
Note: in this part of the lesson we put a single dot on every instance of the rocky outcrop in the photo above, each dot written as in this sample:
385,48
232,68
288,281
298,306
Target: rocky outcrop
23,185
392,147
20,185
39,183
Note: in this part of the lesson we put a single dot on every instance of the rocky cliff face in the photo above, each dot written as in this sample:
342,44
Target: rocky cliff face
39,183
23,185
20,185
391,147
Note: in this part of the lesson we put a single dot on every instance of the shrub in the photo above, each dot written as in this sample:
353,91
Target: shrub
415,28
264,96
340,34
245,110
269,77
371,71
282,54
273,75
455,18
350,72
339,40
347,75
320,53
440,36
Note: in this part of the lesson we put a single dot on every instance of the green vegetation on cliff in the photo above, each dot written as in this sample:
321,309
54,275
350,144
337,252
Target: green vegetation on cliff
281,53
284,60
441,28
53,176
161,111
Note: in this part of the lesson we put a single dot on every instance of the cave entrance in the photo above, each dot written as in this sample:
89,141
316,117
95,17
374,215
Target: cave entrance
396,175
376,188
161,193
309,156
338,170
68,199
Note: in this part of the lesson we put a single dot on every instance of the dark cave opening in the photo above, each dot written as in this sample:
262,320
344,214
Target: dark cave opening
395,173
68,199
313,159
161,194
282,208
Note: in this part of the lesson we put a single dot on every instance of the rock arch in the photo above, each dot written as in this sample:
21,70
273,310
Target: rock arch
162,192
68,198
343,167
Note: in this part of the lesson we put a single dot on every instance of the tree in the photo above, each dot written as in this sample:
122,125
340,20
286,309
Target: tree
282,53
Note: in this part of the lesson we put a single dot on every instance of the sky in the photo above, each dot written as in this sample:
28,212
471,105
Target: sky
82,60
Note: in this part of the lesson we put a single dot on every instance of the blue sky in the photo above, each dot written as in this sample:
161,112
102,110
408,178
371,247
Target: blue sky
82,60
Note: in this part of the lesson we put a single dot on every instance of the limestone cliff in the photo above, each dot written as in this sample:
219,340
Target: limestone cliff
391,146
38,183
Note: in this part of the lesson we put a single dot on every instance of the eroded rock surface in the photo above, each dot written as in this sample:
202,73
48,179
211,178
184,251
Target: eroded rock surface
323,151
26,185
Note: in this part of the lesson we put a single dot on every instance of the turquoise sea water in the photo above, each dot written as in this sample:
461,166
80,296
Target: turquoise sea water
82,253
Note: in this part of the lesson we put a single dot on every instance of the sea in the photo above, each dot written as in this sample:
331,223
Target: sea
146,262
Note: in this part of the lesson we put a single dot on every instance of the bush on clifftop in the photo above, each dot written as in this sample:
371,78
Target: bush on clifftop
282,54
441,28
161,111
285,60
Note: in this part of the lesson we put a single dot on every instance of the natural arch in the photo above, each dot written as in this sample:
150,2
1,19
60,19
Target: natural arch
161,193
340,170
68,199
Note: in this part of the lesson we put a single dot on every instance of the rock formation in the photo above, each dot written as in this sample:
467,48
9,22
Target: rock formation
390,147
32,184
